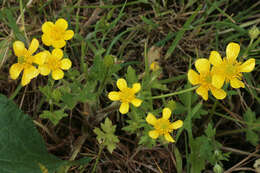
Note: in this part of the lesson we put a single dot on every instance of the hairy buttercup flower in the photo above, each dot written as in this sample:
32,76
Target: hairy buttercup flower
56,34
25,61
204,80
229,69
163,126
125,95
55,64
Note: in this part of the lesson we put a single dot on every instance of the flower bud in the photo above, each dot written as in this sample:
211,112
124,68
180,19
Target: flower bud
253,32
154,66
217,168
109,60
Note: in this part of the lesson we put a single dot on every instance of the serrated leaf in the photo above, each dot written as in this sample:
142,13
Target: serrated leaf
252,137
249,116
106,136
22,149
131,76
210,131
54,117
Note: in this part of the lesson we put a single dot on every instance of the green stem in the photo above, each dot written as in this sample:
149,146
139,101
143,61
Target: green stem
172,94
247,49
97,159
18,88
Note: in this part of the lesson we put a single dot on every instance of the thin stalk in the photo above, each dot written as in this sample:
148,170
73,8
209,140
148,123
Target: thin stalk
172,94
97,159
18,88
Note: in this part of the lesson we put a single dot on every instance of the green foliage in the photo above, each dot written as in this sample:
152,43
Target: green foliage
106,136
131,77
21,147
251,133
54,117
6,16
205,149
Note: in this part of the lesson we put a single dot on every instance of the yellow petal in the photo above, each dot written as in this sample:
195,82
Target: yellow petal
47,27
33,46
57,74
202,65
121,84
65,64
29,74
218,93
232,51
46,40
235,83
215,58
44,70
177,124
19,49
153,134
62,24
136,87
25,80
41,57
68,35
218,80
166,113
150,119
136,102
193,77
58,43
203,92
124,108
15,70
58,53
247,66
114,96
168,137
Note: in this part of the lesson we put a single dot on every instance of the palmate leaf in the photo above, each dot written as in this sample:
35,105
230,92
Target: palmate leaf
22,149
106,136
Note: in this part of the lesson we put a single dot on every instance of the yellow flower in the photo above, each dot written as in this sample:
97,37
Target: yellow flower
162,125
154,66
25,61
125,95
55,64
204,79
229,69
56,34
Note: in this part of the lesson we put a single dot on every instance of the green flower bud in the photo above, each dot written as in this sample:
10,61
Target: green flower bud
217,168
109,60
253,32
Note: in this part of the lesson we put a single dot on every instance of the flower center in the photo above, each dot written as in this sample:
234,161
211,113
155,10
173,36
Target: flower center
127,95
21,59
231,70
54,63
163,126
57,33
25,59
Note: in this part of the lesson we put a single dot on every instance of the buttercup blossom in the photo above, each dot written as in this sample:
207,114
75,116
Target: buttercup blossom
56,34
25,61
163,126
125,95
204,80
229,69
55,64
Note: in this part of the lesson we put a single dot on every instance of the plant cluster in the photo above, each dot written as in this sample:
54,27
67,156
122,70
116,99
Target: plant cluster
111,96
